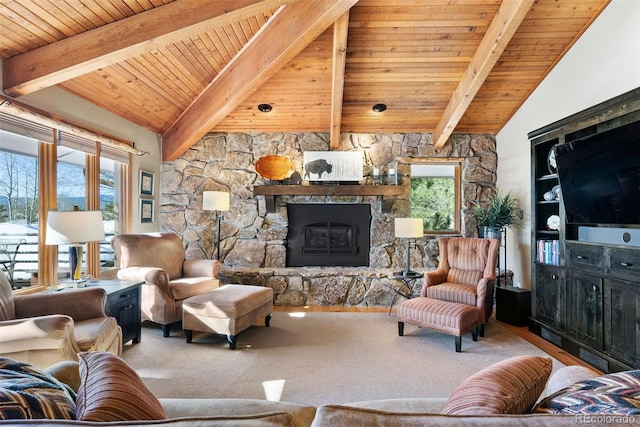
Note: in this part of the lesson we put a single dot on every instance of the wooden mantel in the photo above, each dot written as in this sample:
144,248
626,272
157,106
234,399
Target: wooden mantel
271,191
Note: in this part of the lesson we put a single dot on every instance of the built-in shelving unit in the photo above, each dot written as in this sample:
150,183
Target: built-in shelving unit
270,192
585,296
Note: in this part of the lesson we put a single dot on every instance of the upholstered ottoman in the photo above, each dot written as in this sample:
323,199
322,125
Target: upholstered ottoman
449,317
229,310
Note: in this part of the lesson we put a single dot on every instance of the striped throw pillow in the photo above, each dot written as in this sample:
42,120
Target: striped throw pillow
111,391
511,386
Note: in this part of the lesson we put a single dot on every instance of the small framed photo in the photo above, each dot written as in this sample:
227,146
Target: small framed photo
146,210
146,183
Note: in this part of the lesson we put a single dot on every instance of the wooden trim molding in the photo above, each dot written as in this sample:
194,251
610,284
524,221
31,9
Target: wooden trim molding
93,203
48,178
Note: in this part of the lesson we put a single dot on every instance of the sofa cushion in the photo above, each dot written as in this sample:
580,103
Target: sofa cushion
617,393
111,391
511,386
28,393
342,415
568,375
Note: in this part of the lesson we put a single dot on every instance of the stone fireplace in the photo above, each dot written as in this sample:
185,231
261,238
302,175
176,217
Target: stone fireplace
322,234
254,236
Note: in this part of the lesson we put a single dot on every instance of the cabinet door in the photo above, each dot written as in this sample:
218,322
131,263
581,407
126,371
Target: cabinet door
585,308
549,296
622,320
124,305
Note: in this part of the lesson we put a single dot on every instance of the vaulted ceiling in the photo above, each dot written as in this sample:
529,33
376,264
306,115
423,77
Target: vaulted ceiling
184,68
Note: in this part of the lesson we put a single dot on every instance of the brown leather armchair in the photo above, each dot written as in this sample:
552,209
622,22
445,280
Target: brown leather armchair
50,327
158,260
466,274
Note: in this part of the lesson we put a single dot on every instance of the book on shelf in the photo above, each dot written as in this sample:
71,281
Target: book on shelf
548,251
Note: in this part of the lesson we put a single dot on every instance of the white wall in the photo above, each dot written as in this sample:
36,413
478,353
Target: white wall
67,106
604,63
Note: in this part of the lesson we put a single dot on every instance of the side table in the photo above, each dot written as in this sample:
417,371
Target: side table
513,305
123,303
406,288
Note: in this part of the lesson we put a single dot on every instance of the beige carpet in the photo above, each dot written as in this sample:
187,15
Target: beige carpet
320,358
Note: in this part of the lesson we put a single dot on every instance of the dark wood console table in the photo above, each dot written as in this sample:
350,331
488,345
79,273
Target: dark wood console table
271,191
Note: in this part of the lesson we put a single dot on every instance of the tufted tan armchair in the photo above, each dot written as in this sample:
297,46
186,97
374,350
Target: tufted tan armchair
466,274
158,260
50,327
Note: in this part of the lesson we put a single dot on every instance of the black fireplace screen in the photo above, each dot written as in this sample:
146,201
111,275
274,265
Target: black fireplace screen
331,238
328,235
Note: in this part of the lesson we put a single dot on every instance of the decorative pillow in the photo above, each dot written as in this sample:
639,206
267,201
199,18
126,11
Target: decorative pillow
616,394
511,386
111,391
28,393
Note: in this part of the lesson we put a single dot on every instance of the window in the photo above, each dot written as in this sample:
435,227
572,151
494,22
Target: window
435,195
19,195
22,196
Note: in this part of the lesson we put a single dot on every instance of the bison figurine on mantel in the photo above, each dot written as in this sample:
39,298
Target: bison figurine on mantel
336,166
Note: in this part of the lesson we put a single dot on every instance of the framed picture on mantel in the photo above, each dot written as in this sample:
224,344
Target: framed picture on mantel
339,166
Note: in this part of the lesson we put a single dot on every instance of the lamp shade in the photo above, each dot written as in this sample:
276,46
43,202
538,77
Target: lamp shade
408,227
215,200
74,227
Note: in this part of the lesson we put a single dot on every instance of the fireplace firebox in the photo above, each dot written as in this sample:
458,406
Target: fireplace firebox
328,234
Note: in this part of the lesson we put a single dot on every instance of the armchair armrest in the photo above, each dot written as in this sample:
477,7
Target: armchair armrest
201,268
151,275
79,304
432,278
38,333
482,291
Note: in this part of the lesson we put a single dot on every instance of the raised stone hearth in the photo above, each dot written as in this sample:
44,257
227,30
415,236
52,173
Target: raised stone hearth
348,286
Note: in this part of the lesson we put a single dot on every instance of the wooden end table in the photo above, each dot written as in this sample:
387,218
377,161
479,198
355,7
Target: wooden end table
123,303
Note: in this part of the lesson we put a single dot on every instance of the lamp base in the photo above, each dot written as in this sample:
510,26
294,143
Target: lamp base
69,284
408,273
76,252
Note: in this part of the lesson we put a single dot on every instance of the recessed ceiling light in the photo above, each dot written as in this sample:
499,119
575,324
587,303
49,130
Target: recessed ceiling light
379,108
265,108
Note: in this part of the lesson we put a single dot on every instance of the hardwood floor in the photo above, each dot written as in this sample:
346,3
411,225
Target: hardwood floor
546,346
521,331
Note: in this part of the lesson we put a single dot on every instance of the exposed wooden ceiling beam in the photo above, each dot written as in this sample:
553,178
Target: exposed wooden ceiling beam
340,32
495,40
288,32
111,43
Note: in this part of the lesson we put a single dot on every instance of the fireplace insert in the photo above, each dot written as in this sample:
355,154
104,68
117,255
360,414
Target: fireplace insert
328,234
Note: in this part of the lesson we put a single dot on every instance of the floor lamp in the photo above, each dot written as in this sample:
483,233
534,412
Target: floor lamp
408,228
74,228
216,201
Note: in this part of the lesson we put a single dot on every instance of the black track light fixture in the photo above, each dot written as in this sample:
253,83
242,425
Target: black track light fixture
265,108
379,108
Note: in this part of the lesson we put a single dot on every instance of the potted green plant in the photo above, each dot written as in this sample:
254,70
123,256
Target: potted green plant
501,212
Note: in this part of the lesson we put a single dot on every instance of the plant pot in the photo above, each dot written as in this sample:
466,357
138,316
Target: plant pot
490,233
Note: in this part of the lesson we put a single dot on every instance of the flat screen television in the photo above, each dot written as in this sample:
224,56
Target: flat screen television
600,177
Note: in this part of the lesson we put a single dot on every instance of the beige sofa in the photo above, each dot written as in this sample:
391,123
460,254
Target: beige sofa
471,405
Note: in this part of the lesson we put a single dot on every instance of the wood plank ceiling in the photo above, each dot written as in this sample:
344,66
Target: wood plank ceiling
183,68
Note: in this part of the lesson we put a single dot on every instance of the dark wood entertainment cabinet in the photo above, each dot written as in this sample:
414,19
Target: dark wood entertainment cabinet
585,296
